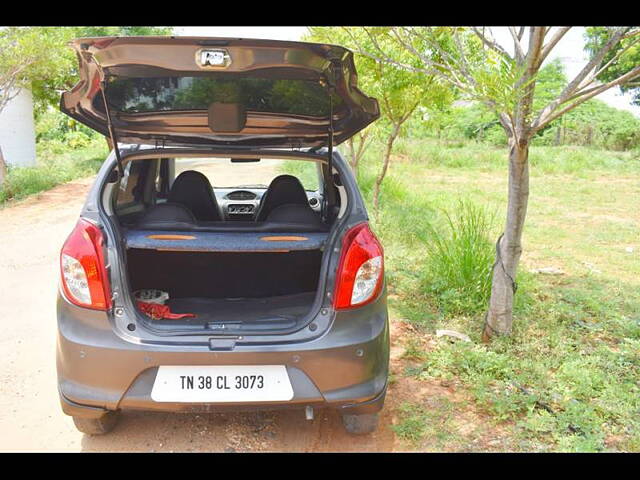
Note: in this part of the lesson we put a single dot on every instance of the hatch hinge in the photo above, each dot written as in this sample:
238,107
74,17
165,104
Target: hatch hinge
112,132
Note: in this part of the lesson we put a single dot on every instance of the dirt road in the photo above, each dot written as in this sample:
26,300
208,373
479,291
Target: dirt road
32,233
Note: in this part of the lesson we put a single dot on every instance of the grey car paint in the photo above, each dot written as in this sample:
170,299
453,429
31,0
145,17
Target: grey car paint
104,363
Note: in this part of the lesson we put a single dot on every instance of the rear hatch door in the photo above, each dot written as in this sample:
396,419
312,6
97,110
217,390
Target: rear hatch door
197,91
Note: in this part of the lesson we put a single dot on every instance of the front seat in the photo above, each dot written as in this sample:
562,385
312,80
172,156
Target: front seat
283,190
193,190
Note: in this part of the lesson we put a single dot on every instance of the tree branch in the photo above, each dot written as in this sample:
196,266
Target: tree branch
385,58
536,38
615,57
450,70
524,106
571,88
491,43
517,47
557,36
586,95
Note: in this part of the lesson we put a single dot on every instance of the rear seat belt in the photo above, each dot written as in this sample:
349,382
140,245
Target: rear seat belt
164,178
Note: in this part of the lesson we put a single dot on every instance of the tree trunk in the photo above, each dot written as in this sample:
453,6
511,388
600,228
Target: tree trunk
3,168
353,160
385,166
500,315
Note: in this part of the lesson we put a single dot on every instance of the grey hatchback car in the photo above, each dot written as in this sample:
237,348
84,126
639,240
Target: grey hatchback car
266,292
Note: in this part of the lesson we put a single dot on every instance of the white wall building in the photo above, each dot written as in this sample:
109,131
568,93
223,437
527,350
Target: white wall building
17,131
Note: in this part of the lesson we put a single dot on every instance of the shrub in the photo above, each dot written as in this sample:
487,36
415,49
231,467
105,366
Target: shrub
459,259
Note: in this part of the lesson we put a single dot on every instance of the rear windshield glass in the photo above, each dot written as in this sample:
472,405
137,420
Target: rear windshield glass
223,173
288,96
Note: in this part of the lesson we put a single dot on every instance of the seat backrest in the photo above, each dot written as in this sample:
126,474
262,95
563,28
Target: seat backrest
295,214
167,216
283,190
193,190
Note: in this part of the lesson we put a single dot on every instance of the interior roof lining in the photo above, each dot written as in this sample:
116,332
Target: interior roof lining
152,154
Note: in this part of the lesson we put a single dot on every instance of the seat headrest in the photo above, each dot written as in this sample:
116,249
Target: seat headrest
193,190
283,190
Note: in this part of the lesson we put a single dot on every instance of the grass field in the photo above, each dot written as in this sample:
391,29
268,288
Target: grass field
53,168
568,377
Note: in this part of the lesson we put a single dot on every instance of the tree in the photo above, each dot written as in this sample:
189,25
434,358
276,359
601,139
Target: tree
38,58
26,53
628,57
359,143
472,61
397,91
3,167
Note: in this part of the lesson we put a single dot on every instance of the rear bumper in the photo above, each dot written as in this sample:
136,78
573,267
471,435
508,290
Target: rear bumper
84,411
98,370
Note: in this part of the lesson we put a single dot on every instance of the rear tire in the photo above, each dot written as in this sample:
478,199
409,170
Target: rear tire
97,426
360,424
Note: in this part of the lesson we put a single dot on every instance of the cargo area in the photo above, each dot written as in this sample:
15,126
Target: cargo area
195,264
266,290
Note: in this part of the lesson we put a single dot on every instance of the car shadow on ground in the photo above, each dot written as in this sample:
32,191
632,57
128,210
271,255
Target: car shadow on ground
278,431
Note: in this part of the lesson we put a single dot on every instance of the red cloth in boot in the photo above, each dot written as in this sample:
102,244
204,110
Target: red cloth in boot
159,312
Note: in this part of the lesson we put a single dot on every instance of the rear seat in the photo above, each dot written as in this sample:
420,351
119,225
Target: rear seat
294,213
285,218
170,213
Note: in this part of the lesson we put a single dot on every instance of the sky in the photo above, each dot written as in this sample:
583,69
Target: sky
569,50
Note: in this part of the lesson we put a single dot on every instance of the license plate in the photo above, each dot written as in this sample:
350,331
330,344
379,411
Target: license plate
222,383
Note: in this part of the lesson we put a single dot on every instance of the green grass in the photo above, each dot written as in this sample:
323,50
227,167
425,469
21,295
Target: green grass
433,422
459,258
567,379
54,166
583,162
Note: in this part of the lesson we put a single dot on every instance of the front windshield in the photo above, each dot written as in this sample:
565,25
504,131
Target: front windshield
222,173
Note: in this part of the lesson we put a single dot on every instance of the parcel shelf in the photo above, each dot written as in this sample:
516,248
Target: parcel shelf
224,241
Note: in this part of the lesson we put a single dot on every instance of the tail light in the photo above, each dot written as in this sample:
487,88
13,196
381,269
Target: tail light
84,275
361,271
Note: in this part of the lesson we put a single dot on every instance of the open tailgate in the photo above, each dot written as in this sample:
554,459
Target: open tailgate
218,91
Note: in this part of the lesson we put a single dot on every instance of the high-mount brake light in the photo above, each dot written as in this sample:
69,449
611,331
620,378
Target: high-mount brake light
361,269
82,266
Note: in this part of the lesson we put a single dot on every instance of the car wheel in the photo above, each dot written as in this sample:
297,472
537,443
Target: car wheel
360,424
97,426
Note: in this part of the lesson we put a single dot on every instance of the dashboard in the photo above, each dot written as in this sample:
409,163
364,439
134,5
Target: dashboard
241,203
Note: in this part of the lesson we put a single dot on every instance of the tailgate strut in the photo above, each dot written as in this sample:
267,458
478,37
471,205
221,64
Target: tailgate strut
112,132
331,194
330,149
